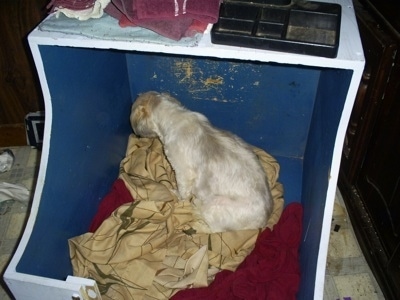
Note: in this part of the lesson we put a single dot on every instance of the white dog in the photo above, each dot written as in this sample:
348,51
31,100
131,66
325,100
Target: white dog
217,167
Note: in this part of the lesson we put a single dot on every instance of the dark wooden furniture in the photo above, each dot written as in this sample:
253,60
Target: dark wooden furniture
370,172
19,89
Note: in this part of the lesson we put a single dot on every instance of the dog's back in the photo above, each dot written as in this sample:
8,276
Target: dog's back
232,187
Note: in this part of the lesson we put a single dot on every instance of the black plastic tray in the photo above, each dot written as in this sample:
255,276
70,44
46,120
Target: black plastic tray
311,28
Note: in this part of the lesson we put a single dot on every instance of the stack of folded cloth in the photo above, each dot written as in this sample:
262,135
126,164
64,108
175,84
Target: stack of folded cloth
171,18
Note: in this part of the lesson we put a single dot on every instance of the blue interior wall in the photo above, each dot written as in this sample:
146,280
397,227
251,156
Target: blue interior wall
91,106
268,105
332,91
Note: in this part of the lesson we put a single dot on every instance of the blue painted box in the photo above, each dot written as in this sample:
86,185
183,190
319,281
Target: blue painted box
296,107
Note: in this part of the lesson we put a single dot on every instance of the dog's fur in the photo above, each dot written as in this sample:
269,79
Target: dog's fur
217,167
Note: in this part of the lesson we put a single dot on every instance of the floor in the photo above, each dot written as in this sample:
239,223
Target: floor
348,276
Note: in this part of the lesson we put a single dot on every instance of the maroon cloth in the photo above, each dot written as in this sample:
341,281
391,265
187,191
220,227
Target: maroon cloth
202,10
163,17
118,196
125,12
271,271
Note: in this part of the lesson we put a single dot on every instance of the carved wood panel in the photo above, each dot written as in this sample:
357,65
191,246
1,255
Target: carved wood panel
370,172
379,50
379,180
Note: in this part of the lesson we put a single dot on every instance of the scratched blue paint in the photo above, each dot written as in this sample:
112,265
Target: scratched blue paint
257,101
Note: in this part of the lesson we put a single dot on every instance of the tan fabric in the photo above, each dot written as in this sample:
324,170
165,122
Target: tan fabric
147,249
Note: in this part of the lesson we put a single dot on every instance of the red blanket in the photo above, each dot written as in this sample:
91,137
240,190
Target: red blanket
118,195
270,272
171,18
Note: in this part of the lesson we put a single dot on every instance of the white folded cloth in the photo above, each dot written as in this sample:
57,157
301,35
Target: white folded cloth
9,191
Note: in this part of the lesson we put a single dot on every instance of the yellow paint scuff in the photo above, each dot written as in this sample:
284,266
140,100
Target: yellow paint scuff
217,80
184,67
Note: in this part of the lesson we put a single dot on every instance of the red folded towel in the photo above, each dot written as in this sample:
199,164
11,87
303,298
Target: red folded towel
157,9
201,10
171,18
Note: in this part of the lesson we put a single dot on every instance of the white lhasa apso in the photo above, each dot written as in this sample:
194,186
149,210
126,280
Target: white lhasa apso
215,166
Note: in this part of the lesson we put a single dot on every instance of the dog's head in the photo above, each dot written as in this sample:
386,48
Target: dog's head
144,119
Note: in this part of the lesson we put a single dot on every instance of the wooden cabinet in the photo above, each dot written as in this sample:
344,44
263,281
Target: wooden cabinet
370,171
19,88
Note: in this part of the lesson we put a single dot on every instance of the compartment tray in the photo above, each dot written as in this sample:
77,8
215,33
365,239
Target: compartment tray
311,28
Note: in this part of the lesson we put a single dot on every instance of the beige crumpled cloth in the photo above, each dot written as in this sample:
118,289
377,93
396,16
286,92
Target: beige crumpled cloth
147,249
